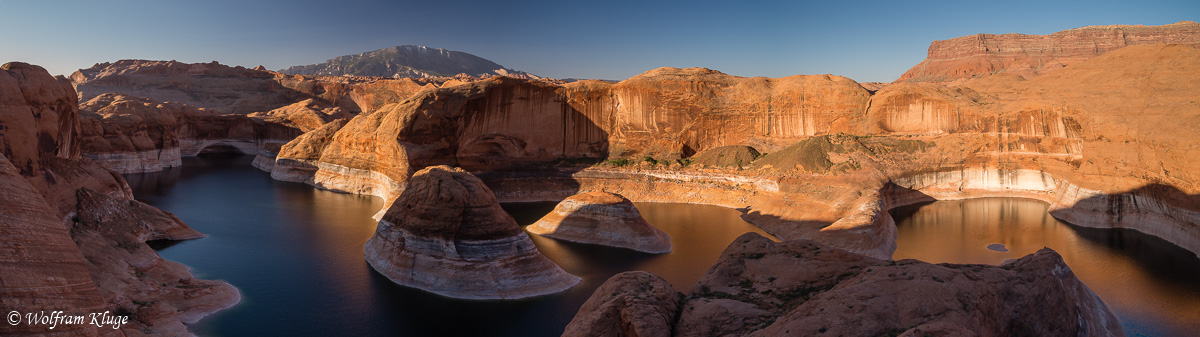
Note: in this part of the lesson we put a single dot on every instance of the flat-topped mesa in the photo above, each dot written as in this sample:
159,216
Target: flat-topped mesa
602,218
238,90
447,234
985,54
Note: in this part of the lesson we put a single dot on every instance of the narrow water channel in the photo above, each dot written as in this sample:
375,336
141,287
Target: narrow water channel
1152,285
295,253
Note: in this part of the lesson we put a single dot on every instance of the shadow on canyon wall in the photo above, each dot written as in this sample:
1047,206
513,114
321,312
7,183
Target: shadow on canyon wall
1156,195
526,141
1160,257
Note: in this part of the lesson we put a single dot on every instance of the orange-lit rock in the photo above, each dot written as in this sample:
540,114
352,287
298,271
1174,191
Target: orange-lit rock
1027,55
304,115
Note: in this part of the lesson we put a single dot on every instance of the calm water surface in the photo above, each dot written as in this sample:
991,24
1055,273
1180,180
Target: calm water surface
296,255
1152,285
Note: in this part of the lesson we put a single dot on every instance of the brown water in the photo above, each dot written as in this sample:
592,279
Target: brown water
1152,285
699,233
296,255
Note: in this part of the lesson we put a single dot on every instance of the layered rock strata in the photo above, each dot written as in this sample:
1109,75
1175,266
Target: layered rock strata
503,123
604,219
132,134
132,278
1027,55
833,185
74,238
446,234
43,268
803,288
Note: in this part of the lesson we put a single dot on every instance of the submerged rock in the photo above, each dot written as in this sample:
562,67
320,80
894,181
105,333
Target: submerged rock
602,218
447,234
997,247
803,288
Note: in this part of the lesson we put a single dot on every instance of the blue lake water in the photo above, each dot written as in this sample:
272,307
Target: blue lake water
295,253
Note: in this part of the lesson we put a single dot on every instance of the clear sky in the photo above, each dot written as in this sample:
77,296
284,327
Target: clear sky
863,40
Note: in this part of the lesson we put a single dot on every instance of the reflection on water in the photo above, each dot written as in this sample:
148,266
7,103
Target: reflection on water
296,255
1152,285
698,233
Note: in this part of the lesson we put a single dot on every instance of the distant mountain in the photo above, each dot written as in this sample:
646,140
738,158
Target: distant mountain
408,61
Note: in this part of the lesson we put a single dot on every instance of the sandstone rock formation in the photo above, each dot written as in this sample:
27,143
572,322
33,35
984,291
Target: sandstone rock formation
602,218
446,234
305,115
503,123
42,266
670,112
161,294
237,90
494,123
1071,138
1027,55
132,134
802,288
633,303
408,61
729,156
66,220
40,137
297,160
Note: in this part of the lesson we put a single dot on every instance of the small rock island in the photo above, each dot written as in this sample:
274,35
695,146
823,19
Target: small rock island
602,218
447,234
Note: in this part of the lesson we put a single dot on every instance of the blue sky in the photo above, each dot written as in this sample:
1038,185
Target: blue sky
863,40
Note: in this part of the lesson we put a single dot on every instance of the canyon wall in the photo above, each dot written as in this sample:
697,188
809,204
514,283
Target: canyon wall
75,238
1028,55
672,113
1109,125
132,134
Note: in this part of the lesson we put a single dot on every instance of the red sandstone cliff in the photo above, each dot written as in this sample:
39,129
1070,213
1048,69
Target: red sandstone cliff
1026,55
1076,138
43,268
